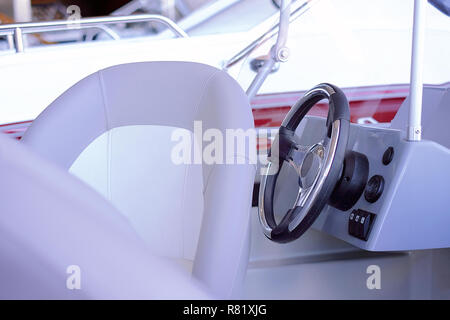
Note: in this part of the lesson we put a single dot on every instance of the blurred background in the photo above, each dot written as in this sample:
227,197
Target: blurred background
41,10
193,16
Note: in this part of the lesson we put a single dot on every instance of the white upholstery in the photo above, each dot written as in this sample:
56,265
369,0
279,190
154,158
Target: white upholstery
50,220
112,129
131,166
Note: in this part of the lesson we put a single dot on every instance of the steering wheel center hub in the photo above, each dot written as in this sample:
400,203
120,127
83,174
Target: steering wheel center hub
310,166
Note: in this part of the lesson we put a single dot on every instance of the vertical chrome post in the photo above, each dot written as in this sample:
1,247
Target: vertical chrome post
22,10
18,40
278,53
10,40
414,129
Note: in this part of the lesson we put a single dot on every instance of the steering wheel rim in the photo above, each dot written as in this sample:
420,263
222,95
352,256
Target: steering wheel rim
276,4
307,208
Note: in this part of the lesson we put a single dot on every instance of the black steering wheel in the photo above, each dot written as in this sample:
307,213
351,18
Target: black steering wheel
276,3
319,167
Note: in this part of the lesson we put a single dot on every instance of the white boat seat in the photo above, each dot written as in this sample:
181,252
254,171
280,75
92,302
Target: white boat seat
55,228
117,130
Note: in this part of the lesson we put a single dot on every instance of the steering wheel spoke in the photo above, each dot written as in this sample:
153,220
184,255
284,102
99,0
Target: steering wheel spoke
296,157
302,196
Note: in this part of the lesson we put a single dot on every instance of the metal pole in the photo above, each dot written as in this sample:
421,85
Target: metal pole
259,79
18,31
18,40
10,40
298,10
22,10
278,53
414,129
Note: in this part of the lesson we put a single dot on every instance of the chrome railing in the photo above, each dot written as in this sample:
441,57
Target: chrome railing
17,30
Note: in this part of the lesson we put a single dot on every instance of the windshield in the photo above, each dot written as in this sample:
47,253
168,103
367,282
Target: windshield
362,46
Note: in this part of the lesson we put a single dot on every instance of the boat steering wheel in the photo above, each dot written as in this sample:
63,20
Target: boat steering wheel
318,169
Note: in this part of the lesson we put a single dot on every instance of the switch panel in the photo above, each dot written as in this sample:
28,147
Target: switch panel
359,223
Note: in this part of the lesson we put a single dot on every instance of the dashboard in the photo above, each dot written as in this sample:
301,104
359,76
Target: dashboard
404,205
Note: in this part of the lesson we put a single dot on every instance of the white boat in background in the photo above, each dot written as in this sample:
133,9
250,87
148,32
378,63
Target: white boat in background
371,42
137,159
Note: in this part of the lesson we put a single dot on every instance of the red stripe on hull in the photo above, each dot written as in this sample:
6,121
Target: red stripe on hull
269,110
382,110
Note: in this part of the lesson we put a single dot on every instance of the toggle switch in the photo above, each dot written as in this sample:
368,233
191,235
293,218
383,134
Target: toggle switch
359,223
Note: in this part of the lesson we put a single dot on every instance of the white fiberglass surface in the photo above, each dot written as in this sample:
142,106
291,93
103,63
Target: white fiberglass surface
132,167
34,79
253,12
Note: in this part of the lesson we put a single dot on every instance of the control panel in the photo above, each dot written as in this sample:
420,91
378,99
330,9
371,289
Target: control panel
389,213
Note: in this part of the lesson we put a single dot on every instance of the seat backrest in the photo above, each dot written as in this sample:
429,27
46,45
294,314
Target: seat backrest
60,239
118,130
